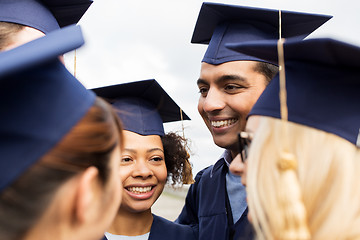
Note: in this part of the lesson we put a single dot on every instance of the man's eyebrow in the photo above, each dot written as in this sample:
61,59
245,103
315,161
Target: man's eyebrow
201,81
224,78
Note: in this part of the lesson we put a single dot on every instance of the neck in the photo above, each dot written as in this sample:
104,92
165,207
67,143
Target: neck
131,223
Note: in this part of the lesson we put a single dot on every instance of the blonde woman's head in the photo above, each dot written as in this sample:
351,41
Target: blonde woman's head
317,198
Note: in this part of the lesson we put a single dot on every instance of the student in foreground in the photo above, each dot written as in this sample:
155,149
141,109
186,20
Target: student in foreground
59,147
150,159
302,169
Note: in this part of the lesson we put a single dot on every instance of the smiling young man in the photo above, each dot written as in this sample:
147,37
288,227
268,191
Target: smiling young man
227,93
229,85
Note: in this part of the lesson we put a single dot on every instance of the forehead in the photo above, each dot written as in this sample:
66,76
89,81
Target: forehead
136,141
240,68
242,72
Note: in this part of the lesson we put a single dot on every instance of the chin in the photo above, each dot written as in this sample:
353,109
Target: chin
224,142
140,207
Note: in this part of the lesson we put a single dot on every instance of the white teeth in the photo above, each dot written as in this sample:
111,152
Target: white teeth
139,190
223,123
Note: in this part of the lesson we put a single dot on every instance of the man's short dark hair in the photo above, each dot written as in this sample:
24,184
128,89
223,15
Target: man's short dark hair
267,69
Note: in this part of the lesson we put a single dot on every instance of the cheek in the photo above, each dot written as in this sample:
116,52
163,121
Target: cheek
162,174
124,173
243,103
240,103
243,178
200,105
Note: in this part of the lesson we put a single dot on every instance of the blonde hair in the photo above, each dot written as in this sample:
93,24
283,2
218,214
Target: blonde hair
318,198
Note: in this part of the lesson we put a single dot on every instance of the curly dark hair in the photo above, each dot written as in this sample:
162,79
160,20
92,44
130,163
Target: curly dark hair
177,156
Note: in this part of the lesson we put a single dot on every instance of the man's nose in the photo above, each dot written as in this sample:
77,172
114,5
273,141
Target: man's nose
214,101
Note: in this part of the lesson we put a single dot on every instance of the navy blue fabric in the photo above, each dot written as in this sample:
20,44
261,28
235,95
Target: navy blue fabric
142,106
41,50
46,15
163,229
67,12
219,24
206,207
139,116
38,105
323,84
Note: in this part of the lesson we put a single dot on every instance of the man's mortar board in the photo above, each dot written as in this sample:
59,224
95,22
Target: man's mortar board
219,24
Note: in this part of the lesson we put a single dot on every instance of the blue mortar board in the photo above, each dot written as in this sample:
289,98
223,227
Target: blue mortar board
219,24
322,83
39,102
42,50
142,106
44,15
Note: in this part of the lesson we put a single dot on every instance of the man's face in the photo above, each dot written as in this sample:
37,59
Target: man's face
227,93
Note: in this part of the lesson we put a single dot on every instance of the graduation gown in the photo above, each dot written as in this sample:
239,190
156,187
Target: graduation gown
163,229
207,206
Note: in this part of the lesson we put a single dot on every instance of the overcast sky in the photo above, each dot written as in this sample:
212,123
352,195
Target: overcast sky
131,40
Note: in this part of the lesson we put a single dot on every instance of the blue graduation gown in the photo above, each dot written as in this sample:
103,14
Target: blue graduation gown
207,206
163,229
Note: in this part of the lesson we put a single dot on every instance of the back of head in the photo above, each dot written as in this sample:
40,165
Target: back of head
327,175
53,129
313,186
24,201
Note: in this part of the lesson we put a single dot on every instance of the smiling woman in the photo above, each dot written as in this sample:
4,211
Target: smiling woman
143,172
150,159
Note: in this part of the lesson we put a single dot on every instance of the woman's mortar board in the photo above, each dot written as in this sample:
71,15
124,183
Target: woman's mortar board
40,101
322,84
44,15
142,106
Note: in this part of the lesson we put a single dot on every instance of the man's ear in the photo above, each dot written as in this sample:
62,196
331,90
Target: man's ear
86,193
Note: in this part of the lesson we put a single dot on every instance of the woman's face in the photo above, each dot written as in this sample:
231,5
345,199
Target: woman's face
142,171
237,166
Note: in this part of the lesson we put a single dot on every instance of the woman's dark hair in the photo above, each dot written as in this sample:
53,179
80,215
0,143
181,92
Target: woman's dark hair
177,156
89,143
267,69
7,31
